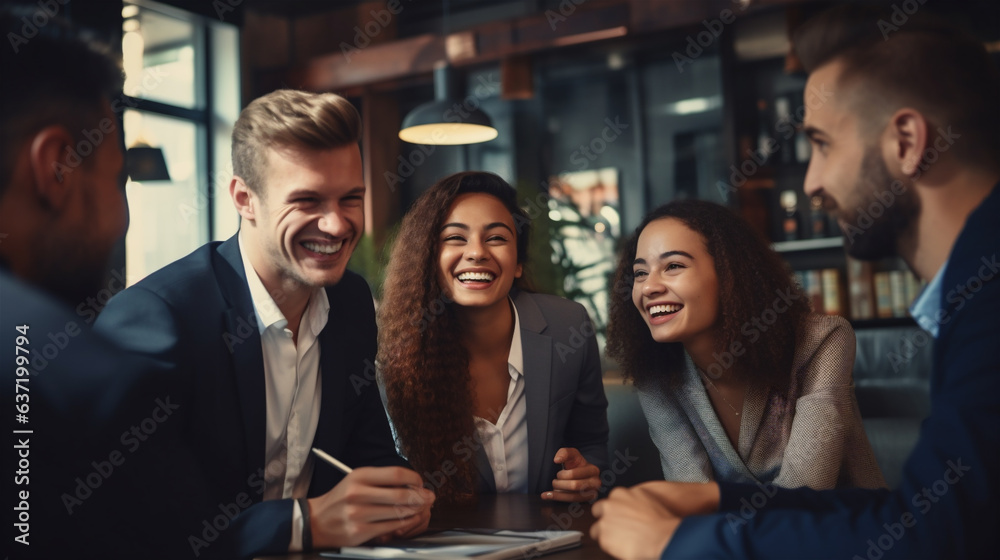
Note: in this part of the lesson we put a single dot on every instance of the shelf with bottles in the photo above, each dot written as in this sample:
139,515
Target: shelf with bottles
870,294
774,154
808,244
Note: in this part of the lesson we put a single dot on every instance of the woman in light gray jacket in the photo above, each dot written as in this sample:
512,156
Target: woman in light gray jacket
738,379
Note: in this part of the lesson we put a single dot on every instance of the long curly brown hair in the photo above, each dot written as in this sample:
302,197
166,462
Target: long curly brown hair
751,276
424,370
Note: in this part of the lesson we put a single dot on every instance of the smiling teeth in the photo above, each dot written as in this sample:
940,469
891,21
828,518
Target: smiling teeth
475,277
659,309
324,248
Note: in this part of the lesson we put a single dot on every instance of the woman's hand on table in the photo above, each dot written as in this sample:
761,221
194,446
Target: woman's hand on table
578,481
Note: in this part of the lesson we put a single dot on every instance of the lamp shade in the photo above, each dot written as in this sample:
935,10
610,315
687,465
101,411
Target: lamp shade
145,163
446,121
439,123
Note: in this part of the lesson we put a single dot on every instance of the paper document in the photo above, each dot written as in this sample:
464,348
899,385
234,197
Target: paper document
482,544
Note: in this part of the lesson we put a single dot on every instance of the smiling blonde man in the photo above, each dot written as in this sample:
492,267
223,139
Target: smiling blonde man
265,332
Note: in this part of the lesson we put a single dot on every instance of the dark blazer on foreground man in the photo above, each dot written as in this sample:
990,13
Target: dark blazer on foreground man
564,391
948,501
196,317
77,486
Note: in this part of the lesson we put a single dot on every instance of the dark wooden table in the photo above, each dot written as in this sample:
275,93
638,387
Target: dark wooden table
518,512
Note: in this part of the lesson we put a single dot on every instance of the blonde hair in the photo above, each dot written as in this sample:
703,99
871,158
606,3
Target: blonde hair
288,118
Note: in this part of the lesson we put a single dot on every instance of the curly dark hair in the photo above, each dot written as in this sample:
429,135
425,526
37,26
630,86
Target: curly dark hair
424,372
749,274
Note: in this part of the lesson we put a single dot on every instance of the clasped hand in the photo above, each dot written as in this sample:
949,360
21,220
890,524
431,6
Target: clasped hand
638,522
578,481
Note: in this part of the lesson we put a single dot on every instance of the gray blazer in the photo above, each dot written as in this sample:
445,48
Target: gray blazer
563,389
811,436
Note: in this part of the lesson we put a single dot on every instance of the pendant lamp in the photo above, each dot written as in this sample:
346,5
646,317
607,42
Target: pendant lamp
146,163
448,120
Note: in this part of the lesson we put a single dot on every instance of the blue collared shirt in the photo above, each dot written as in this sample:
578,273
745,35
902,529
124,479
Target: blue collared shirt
927,307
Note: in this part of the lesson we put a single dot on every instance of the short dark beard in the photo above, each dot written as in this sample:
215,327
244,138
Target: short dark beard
880,239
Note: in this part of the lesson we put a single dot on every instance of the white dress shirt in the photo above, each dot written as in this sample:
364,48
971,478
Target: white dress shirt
506,442
293,388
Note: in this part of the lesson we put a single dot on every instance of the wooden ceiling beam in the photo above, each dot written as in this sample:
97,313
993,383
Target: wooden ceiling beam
555,28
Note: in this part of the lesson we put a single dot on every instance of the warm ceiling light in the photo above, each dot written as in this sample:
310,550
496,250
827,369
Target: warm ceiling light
447,121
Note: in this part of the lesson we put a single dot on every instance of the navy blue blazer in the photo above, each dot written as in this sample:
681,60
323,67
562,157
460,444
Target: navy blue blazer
196,317
563,390
948,502
75,483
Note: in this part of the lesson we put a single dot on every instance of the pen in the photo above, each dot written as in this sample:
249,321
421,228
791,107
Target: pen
333,461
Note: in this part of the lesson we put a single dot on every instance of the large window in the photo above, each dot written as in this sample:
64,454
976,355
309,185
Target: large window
182,79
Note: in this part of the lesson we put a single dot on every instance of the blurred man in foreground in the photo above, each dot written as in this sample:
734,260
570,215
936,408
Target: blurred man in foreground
91,474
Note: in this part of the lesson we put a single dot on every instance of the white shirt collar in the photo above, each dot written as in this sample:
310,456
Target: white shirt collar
266,310
926,307
515,359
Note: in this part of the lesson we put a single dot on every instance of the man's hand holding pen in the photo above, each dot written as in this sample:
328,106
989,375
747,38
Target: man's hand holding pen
370,502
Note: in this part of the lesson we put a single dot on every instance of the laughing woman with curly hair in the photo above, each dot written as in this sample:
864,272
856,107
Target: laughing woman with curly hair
738,380
487,384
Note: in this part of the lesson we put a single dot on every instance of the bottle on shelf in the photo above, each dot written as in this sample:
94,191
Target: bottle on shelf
790,222
783,115
883,295
813,287
803,149
833,295
764,140
861,289
817,218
